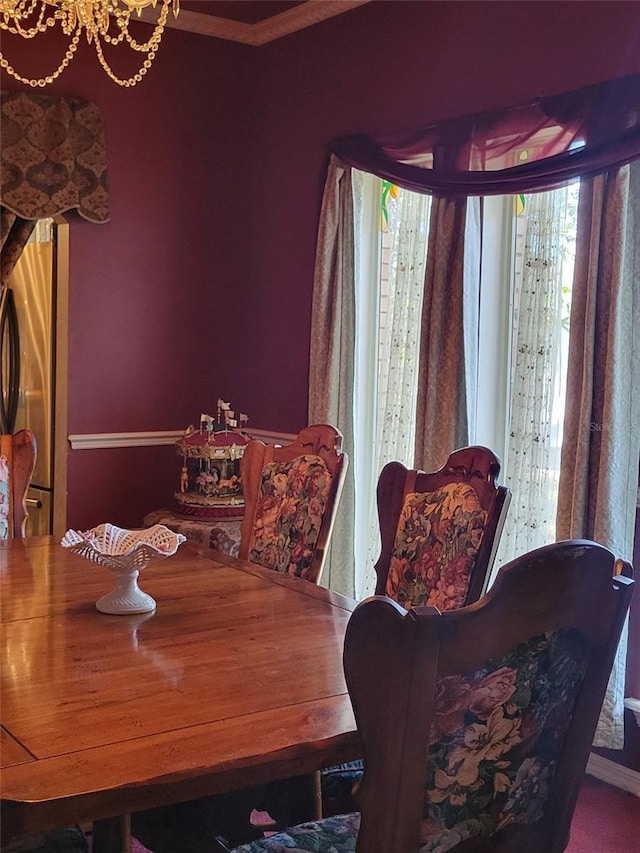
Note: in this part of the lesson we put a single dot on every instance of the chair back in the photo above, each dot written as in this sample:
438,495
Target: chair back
477,723
440,531
291,496
17,461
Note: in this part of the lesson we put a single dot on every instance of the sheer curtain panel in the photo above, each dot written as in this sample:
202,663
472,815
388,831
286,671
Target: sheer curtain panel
395,356
530,466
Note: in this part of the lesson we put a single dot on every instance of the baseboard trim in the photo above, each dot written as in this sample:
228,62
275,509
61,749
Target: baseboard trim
614,774
633,705
157,438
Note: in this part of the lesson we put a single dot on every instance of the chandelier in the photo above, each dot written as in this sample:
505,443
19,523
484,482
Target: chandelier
103,22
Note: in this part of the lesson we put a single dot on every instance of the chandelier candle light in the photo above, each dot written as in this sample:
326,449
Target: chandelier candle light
103,22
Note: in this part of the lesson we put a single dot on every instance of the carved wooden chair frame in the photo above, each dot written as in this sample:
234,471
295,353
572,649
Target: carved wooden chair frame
320,440
476,465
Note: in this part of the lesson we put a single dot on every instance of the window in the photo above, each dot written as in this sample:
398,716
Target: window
537,301
392,227
527,249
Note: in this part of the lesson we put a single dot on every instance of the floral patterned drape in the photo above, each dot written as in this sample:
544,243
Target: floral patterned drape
601,446
449,325
331,363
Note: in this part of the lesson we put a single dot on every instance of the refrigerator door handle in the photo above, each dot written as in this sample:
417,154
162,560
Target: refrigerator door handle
9,369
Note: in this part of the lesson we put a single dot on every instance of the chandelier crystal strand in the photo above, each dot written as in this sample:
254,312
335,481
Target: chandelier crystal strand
150,49
93,17
39,27
44,81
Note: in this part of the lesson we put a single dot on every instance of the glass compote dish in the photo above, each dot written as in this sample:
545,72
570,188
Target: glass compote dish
125,553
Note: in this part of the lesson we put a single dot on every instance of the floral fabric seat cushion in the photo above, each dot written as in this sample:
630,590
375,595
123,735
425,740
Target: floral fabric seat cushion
436,545
292,502
5,500
336,834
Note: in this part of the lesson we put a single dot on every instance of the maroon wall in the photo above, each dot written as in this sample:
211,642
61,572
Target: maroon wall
147,290
384,67
200,286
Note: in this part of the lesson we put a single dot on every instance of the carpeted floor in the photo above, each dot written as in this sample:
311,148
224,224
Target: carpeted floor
606,820
136,847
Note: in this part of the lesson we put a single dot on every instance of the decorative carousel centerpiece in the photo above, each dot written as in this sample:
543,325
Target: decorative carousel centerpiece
210,484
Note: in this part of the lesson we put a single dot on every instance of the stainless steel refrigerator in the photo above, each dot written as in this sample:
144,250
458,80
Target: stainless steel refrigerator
27,326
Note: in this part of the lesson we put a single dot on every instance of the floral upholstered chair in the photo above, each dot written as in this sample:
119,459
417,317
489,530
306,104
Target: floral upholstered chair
439,534
477,723
291,497
17,460
440,530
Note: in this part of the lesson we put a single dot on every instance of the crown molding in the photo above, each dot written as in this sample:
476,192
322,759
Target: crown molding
262,32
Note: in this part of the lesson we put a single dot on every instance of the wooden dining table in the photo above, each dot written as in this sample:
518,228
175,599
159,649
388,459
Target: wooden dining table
234,680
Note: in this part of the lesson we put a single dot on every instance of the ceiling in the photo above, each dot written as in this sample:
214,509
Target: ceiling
253,22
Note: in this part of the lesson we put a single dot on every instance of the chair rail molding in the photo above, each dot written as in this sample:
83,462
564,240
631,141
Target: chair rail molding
155,438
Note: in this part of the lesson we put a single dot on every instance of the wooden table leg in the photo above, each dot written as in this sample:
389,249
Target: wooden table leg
112,835
317,794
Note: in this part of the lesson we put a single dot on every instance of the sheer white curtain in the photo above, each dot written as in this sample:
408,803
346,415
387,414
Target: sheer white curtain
390,296
400,334
534,434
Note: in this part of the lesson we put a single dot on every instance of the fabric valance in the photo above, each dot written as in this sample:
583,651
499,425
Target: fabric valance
53,156
528,148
